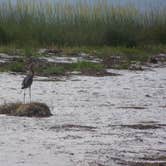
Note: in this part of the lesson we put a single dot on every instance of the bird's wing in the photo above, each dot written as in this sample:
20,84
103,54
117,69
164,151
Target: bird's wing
27,82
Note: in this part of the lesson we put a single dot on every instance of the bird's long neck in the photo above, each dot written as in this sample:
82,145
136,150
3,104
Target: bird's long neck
31,72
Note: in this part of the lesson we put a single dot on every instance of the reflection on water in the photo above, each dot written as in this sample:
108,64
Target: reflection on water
96,121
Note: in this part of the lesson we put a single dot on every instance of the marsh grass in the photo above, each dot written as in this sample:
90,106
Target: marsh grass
16,66
56,69
53,70
63,69
33,23
86,66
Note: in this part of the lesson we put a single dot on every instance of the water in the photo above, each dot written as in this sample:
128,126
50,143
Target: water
96,121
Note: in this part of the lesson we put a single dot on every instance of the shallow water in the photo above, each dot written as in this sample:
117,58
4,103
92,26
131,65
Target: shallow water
96,121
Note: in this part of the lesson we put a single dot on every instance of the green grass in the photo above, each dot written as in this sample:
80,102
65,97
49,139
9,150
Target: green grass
86,67
29,23
83,67
54,70
13,67
16,67
127,56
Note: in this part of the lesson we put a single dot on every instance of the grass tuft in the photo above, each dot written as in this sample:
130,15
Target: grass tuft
54,70
86,66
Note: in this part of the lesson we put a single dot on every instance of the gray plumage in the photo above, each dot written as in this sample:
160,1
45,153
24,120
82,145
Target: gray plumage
27,82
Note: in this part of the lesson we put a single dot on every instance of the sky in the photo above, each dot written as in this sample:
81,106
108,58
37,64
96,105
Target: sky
142,4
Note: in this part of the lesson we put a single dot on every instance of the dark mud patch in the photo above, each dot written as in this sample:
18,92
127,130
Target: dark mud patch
73,127
54,51
95,164
98,74
150,161
147,161
143,163
72,137
140,126
154,158
163,106
148,122
26,110
7,58
146,164
133,107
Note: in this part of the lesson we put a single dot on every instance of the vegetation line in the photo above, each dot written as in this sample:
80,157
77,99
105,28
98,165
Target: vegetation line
63,24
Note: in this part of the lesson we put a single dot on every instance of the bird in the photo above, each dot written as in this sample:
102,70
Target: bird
27,81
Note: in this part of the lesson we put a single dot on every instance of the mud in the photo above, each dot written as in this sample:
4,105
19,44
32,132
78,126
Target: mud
95,122
4,58
133,107
71,59
141,126
68,127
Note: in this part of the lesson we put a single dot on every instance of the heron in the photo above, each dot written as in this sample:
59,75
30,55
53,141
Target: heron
28,80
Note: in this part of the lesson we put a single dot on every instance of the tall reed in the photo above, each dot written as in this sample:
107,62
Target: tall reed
36,23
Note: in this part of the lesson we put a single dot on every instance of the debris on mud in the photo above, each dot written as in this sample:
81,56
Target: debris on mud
68,59
145,163
110,61
158,58
49,51
4,58
136,66
140,126
68,127
133,107
93,72
143,126
27,110
150,161
163,106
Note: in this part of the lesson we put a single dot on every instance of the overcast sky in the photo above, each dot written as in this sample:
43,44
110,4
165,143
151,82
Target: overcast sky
140,3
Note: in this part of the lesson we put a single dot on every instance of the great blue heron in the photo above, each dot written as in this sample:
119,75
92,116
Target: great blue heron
27,82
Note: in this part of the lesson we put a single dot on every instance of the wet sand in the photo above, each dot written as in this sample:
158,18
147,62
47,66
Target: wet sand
97,121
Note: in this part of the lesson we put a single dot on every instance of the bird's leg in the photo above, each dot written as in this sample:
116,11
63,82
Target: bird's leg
24,96
30,93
